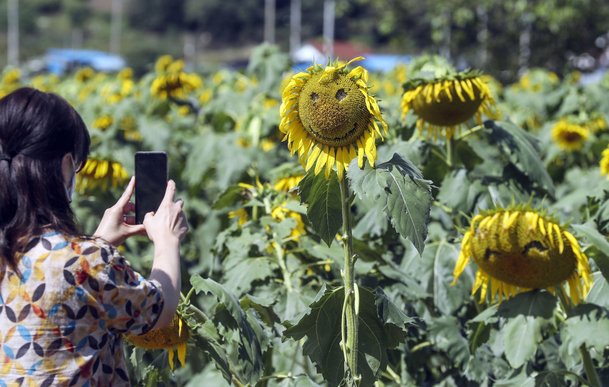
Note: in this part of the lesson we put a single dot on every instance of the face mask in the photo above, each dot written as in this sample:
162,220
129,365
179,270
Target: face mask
70,189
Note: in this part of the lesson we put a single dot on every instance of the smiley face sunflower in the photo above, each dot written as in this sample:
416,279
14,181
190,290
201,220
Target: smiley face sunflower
329,118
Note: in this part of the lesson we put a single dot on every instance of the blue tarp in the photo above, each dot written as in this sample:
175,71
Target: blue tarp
59,61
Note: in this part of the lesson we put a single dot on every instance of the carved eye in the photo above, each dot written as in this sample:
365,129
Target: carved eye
341,94
314,97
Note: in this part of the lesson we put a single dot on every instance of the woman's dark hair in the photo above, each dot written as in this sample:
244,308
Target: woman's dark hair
37,130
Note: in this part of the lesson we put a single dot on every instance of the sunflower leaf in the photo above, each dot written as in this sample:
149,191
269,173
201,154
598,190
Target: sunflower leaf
525,151
227,198
232,316
588,325
321,328
407,199
521,336
322,197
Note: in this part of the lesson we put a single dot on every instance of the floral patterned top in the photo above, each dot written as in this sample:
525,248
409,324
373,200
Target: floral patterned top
61,322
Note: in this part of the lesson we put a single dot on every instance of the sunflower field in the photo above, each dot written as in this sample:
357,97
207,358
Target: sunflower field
414,228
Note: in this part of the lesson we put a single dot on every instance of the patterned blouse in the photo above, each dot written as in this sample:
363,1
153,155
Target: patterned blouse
61,322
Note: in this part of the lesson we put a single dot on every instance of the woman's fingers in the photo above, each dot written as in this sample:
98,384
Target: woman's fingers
126,196
129,219
169,193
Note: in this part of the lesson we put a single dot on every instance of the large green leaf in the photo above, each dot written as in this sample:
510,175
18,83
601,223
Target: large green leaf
445,334
589,325
522,334
522,149
324,206
321,329
406,196
408,199
589,231
527,315
599,294
248,337
229,197
535,303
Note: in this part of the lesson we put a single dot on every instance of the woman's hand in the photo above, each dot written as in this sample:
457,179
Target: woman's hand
116,224
168,223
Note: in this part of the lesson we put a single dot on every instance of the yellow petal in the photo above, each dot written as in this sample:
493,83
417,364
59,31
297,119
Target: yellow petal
313,157
561,243
370,150
360,153
170,357
321,160
330,162
340,163
182,354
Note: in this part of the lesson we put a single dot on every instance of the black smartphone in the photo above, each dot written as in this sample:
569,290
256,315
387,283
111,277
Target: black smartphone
150,182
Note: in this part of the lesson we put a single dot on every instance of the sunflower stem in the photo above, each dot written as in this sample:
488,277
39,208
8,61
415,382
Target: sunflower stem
450,145
591,374
473,130
284,268
349,315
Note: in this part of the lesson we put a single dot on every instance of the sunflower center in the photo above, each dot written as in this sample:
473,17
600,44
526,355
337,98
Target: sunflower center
572,137
333,112
522,255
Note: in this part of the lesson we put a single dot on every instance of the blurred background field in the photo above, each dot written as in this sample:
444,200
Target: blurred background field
501,38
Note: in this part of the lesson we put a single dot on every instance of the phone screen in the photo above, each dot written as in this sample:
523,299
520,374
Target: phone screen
150,182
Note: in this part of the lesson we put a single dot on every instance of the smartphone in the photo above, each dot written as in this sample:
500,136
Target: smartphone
150,182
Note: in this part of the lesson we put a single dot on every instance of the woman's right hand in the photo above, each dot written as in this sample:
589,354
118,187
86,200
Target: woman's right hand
169,221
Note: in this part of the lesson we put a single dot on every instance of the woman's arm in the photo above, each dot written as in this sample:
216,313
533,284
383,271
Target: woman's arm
166,228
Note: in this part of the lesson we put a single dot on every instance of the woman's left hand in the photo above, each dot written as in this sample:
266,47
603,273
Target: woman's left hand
116,224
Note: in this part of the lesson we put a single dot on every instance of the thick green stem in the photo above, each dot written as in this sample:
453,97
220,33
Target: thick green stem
284,268
450,145
351,307
591,374
469,132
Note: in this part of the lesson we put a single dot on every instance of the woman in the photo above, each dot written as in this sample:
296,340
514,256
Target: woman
66,299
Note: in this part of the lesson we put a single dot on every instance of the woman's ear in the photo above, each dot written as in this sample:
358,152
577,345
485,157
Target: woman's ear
67,168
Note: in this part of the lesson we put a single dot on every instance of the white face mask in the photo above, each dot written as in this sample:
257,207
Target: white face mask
72,185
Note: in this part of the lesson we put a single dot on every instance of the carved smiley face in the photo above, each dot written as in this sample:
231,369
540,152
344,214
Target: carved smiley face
333,112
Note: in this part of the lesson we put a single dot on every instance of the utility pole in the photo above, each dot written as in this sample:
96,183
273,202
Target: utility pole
269,21
329,12
12,52
295,25
115,26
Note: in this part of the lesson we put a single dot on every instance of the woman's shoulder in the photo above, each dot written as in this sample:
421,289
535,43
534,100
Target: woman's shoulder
79,245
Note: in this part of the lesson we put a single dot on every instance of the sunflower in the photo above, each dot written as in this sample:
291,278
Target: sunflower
174,337
85,74
11,77
103,122
280,213
288,183
172,81
569,136
329,118
605,162
519,249
444,103
241,215
100,173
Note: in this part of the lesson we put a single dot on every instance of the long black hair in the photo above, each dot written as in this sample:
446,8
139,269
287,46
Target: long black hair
37,130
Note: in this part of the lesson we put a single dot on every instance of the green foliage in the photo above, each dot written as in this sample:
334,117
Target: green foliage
265,268
324,209
405,195
381,328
